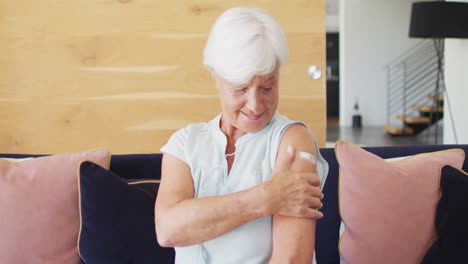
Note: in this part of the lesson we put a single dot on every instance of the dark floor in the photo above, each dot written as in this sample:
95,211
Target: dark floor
376,136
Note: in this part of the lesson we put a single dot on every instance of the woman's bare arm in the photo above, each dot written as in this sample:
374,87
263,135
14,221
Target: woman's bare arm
294,237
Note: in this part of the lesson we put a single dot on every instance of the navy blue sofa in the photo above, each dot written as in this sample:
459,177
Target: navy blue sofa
148,166
328,227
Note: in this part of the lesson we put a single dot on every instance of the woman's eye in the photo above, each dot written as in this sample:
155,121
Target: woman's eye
266,89
241,90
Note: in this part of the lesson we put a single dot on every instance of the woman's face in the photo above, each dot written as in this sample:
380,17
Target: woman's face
248,108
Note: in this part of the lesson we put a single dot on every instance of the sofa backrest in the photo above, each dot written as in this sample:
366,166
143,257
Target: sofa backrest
148,166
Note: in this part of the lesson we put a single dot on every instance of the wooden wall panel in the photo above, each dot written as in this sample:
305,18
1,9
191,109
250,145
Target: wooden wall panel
126,74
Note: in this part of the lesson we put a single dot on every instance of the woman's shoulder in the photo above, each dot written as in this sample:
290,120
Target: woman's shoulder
281,122
203,127
279,125
189,136
198,126
283,126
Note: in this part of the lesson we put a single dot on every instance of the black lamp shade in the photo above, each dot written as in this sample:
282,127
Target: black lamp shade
439,20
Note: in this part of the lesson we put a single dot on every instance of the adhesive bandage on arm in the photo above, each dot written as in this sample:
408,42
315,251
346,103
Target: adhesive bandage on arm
306,156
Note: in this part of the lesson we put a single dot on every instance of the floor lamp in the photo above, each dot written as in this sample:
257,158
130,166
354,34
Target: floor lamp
439,20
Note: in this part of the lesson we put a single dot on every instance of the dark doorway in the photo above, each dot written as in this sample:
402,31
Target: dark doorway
333,82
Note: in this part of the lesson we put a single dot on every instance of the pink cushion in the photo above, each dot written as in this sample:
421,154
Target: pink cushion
39,216
388,208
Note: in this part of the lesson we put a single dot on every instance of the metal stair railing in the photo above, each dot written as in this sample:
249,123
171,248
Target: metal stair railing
410,79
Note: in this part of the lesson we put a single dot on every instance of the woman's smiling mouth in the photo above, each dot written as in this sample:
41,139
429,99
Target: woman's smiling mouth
253,116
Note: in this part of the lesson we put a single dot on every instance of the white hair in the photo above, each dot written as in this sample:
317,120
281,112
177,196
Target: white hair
245,42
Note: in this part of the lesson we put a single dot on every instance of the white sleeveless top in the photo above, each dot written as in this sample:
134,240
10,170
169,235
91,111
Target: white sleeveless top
202,147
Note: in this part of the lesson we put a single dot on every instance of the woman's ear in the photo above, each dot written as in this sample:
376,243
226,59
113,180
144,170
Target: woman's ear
211,71
218,82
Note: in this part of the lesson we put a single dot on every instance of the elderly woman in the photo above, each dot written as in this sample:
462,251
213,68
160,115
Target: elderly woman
244,187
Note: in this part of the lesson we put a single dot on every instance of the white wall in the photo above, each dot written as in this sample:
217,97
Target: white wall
333,23
332,16
456,81
372,33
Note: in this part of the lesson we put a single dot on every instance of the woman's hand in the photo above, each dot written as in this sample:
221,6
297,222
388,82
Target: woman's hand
295,194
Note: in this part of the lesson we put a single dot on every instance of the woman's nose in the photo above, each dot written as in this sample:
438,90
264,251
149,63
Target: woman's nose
254,101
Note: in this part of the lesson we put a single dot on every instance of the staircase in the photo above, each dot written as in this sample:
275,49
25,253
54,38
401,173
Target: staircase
413,103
